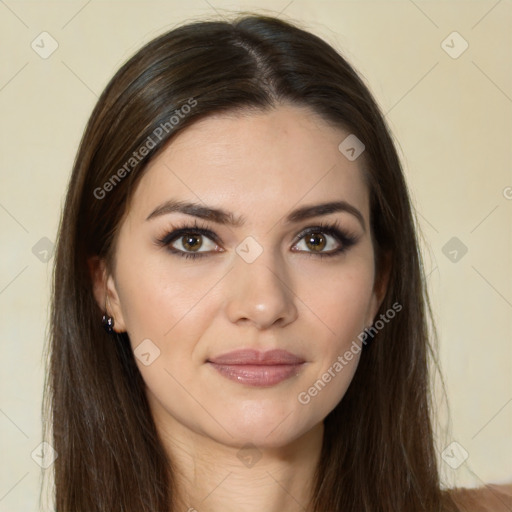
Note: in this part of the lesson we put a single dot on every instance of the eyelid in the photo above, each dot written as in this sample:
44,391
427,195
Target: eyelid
178,231
344,237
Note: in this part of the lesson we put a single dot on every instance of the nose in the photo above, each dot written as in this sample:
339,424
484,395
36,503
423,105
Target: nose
260,293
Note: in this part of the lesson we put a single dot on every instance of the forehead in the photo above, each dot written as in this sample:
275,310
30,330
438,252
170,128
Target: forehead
262,163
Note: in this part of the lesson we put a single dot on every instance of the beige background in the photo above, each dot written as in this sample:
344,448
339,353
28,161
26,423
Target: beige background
451,116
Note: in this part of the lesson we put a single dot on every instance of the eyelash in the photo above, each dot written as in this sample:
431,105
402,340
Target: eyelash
334,229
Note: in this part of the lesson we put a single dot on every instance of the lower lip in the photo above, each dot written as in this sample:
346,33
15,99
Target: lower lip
258,375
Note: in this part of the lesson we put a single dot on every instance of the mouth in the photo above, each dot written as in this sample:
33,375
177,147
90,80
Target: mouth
254,368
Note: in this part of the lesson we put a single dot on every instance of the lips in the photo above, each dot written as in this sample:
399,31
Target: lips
254,357
254,368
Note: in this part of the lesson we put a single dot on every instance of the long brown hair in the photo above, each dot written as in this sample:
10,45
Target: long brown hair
378,451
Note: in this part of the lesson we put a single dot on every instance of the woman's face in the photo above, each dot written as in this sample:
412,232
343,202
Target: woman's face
257,267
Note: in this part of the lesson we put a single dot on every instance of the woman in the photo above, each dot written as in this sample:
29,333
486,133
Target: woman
239,317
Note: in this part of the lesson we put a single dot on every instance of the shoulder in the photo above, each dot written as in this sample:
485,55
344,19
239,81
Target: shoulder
491,498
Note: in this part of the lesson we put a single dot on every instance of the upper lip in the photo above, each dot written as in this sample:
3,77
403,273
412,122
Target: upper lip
256,357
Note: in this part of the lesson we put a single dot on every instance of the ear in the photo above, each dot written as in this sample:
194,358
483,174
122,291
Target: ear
104,287
380,287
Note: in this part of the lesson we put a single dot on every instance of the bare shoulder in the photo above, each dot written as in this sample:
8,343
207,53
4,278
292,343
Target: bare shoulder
491,498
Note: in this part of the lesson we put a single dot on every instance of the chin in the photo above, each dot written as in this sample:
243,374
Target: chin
272,430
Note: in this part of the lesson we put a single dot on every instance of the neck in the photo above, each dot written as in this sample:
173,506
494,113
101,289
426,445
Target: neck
210,476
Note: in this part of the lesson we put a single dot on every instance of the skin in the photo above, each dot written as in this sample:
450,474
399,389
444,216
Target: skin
260,166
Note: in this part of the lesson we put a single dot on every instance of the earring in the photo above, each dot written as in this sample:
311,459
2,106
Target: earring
107,320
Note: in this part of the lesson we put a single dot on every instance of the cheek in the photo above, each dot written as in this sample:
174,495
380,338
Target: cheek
166,311
160,300
336,313
339,303
346,306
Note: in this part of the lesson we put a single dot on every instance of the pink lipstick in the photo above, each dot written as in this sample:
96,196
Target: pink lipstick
255,368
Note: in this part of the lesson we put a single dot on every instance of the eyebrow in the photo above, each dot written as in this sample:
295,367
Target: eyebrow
221,216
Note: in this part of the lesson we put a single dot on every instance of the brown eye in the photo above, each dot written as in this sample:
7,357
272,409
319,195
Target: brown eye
323,242
192,242
315,241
